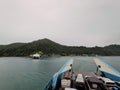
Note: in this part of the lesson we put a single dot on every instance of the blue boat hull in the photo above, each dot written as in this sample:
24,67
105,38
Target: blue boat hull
107,70
111,76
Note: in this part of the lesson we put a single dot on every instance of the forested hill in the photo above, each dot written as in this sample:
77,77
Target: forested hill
49,47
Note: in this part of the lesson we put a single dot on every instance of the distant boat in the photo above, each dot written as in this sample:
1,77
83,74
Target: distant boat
107,70
66,79
35,56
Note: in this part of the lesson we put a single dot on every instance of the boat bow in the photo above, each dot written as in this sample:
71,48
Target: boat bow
66,67
107,70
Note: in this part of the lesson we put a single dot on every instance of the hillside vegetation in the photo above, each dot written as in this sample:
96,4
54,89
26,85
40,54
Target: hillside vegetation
49,47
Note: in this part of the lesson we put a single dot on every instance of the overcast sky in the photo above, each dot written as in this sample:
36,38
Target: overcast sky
68,22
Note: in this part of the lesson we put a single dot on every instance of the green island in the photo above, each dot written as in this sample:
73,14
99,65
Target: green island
48,47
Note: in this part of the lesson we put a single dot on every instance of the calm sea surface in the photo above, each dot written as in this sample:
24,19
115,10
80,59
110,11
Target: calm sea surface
19,73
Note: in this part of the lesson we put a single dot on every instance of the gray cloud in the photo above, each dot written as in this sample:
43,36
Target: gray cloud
69,22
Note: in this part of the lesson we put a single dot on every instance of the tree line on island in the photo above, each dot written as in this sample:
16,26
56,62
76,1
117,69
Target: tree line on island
48,47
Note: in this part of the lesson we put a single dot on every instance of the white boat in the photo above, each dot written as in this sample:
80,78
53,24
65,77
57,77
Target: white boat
35,56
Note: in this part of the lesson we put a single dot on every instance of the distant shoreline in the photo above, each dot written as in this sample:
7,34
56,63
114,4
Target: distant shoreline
49,48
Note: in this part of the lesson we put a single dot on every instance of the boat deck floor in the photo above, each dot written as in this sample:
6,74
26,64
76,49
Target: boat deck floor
85,85
73,83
